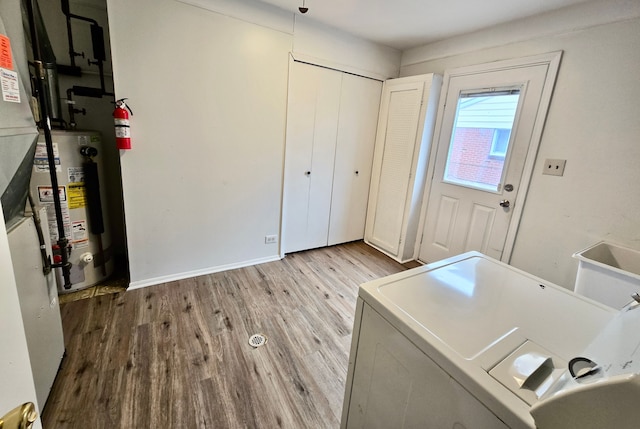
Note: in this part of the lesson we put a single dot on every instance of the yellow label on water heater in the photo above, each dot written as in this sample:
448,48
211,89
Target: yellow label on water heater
76,195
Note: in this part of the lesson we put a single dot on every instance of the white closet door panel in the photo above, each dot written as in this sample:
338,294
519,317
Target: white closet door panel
359,107
400,122
323,157
299,145
313,107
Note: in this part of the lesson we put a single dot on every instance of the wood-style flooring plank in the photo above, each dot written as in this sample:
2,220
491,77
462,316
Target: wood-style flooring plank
177,355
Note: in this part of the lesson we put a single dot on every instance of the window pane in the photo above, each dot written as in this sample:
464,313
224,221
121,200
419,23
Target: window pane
480,139
500,143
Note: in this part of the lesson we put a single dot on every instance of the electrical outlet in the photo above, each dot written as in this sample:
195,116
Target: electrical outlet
554,167
270,239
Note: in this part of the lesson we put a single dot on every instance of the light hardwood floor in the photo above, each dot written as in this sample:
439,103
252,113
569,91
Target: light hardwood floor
177,355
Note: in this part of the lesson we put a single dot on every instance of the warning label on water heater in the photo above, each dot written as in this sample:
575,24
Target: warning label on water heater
53,225
75,174
76,193
80,237
45,194
41,159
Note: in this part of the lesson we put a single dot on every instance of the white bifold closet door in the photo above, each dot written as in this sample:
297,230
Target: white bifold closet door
331,127
312,115
357,124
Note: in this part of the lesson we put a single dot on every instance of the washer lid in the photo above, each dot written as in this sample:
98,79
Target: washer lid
471,303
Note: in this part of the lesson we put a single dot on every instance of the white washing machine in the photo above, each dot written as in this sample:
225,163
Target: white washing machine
472,343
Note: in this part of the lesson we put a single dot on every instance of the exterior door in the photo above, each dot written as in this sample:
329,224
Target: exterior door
490,126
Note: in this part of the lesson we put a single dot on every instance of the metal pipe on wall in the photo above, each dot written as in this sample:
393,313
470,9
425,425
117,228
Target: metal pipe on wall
45,123
97,42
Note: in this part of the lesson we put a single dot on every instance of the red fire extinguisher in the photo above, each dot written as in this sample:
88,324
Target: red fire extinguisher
121,122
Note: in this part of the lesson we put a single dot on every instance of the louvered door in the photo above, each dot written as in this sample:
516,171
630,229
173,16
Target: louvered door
403,140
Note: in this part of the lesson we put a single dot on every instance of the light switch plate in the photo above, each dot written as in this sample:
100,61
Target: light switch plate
554,167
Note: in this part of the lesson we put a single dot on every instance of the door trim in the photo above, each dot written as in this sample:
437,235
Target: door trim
552,60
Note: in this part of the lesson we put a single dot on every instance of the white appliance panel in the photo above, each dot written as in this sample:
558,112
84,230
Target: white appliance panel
502,335
38,303
397,385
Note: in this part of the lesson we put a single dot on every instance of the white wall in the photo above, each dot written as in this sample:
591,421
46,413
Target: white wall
593,123
322,45
203,182
313,42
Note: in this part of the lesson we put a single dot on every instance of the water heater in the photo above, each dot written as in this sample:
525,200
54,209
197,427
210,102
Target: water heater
83,207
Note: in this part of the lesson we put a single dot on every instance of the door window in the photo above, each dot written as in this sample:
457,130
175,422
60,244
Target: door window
480,138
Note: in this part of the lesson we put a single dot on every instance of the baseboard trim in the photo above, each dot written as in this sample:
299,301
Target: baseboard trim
139,284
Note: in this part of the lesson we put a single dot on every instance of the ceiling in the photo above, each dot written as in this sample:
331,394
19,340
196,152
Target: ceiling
404,24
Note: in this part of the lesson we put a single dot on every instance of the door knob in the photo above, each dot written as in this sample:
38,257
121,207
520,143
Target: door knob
505,203
21,417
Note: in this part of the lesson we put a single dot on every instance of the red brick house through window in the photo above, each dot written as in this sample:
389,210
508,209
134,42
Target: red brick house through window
480,139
